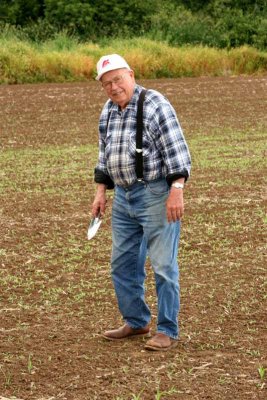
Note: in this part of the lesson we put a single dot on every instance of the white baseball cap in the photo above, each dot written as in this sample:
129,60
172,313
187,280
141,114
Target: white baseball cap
109,63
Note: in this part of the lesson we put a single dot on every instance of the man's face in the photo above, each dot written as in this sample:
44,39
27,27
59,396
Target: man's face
119,85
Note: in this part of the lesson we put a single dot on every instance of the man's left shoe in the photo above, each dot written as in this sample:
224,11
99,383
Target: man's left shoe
160,342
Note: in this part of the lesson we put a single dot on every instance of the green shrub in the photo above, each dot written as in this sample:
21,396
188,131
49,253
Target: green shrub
40,31
179,26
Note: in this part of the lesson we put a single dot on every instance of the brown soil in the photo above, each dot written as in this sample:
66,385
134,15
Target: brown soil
56,295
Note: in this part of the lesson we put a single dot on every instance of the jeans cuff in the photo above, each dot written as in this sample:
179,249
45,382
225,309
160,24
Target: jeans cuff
136,327
172,336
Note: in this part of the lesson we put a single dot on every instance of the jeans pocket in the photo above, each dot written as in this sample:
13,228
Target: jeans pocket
159,187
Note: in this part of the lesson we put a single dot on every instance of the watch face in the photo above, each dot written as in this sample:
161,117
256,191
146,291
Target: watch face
178,185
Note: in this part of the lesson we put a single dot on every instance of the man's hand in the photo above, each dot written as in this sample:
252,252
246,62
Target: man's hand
99,204
175,205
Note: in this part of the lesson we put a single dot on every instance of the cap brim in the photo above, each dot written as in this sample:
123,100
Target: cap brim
110,69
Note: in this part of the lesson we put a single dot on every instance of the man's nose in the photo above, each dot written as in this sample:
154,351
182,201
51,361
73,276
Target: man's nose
114,84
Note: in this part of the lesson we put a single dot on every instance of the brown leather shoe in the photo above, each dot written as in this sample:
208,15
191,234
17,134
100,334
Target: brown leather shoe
160,342
125,332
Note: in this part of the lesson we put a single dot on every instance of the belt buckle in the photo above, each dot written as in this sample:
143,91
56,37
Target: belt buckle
141,180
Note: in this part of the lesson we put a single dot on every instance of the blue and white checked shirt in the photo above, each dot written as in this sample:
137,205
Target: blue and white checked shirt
165,151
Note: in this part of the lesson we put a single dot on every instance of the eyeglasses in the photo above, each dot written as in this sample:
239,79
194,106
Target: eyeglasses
117,80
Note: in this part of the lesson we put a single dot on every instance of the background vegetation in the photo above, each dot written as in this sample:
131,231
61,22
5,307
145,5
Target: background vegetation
65,59
219,23
56,41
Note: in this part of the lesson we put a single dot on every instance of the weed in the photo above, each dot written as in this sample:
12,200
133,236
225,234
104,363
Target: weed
7,377
254,353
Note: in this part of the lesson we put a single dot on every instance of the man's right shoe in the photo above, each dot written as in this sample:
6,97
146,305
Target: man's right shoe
161,342
125,332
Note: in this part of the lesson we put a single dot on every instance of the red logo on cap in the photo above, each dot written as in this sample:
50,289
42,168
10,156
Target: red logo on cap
105,63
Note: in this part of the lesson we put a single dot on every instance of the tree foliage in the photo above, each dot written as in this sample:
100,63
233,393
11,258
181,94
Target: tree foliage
21,12
220,23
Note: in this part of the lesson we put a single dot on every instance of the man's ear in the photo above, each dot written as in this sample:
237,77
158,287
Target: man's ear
131,73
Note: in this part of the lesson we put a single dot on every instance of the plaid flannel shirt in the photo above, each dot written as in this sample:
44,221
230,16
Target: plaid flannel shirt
165,151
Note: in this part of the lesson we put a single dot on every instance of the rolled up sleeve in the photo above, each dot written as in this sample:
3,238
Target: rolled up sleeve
171,142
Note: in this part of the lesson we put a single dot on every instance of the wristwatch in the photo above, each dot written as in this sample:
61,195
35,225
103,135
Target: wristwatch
178,185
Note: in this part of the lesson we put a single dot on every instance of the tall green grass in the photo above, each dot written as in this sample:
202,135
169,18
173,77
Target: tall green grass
65,59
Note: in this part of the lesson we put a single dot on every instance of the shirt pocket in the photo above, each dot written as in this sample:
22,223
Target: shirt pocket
132,145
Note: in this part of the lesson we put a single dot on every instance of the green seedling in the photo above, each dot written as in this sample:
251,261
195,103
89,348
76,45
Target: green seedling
159,394
262,372
30,366
138,396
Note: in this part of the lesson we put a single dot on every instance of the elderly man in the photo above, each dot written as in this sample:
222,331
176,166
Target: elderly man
146,211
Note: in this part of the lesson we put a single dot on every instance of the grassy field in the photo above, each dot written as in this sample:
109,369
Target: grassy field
56,294
65,60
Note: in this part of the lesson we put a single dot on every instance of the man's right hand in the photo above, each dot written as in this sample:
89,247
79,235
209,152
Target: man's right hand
99,203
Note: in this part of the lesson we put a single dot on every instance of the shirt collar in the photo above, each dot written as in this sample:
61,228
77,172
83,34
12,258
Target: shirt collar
133,102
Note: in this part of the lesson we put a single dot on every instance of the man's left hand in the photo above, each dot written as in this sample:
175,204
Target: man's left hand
175,205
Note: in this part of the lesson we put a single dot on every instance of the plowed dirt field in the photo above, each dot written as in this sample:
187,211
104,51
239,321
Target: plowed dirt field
56,295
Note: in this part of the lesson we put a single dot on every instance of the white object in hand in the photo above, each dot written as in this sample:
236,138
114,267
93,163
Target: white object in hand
93,227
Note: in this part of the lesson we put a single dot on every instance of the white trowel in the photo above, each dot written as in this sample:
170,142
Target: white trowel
93,227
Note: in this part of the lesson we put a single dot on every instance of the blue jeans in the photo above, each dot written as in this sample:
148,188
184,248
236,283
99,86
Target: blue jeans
139,225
